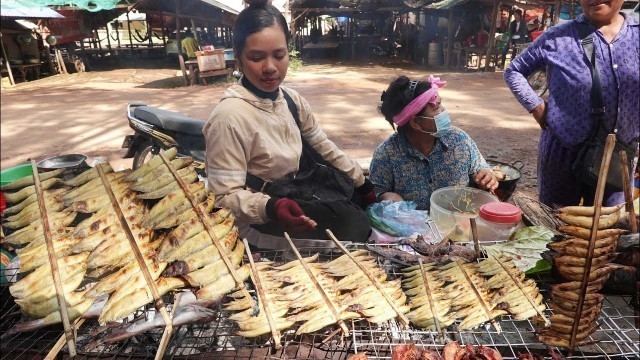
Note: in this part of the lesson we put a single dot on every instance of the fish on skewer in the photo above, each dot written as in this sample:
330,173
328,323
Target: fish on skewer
18,196
35,230
89,175
155,162
177,163
32,201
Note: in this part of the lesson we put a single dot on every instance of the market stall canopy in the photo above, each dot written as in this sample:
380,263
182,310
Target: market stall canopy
348,7
222,11
26,9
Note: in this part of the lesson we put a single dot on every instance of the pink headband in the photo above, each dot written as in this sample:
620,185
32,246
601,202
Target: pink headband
428,97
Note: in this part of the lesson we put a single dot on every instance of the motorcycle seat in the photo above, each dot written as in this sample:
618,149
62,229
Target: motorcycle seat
169,120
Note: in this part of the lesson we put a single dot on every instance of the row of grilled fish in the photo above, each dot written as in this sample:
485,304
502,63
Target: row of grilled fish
473,292
570,253
293,297
96,258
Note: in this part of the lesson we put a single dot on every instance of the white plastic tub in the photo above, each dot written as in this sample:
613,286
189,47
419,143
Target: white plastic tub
455,205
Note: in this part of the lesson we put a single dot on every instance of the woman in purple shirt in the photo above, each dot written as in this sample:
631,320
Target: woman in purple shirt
564,118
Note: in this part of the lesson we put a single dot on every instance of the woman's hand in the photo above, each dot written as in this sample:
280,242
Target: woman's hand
540,114
391,196
485,179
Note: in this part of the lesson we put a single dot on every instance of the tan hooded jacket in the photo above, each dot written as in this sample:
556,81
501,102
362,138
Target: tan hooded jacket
246,133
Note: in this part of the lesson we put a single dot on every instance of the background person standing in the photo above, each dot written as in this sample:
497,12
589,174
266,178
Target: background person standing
189,45
517,35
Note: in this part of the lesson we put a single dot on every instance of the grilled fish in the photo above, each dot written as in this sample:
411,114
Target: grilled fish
156,161
28,180
137,299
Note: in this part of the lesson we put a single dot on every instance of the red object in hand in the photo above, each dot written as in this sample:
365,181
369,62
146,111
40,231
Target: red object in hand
291,217
369,198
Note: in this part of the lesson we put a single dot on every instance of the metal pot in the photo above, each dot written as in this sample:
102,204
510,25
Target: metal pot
507,187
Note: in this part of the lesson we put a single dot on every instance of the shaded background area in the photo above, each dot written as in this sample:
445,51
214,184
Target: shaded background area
86,112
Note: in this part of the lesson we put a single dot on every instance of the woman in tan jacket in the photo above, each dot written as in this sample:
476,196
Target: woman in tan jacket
257,140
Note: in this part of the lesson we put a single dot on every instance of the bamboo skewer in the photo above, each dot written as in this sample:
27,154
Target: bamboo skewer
374,281
53,353
432,305
602,180
263,297
529,299
321,290
53,262
628,196
143,265
224,254
477,293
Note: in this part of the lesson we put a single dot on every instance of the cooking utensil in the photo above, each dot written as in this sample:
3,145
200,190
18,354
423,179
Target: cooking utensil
67,161
512,171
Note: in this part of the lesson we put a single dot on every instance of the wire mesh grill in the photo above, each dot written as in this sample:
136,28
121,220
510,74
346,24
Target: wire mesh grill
618,335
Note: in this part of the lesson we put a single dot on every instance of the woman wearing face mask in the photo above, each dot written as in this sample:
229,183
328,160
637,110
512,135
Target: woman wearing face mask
257,137
426,153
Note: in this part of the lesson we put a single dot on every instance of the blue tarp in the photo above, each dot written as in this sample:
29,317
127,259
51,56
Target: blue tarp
24,9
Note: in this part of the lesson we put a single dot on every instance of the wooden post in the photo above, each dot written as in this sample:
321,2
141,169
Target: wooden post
63,67
492,36
108,37
164,33
53,262
597,204
450,40
129,31
195,32
6,61
149,31
628,195
178,28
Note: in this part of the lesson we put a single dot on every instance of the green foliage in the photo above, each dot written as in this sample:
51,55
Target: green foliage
295,62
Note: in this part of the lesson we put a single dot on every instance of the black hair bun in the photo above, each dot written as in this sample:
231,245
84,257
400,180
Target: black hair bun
257,2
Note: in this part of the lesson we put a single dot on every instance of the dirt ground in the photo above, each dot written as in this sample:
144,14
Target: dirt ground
85,113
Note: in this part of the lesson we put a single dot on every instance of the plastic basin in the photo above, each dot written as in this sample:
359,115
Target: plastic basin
12,174
455,205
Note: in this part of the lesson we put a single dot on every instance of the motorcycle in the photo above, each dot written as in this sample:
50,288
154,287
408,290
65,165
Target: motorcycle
538,81
384,47
157,129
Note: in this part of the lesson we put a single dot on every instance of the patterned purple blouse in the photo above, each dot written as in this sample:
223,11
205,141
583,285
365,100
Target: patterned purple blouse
569,80
568,121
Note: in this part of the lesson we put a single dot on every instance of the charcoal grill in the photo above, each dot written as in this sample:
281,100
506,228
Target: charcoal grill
618,337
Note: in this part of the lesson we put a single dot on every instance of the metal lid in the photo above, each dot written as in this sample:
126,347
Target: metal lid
500,212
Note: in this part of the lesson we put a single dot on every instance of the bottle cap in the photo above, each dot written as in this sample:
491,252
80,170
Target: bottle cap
500,212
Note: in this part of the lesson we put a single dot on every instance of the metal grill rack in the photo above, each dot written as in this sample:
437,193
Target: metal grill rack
618,335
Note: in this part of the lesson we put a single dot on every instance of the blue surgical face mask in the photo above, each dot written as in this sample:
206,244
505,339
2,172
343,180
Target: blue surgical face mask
443,123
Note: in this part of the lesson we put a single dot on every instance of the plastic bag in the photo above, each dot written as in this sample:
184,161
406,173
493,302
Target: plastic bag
398,218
